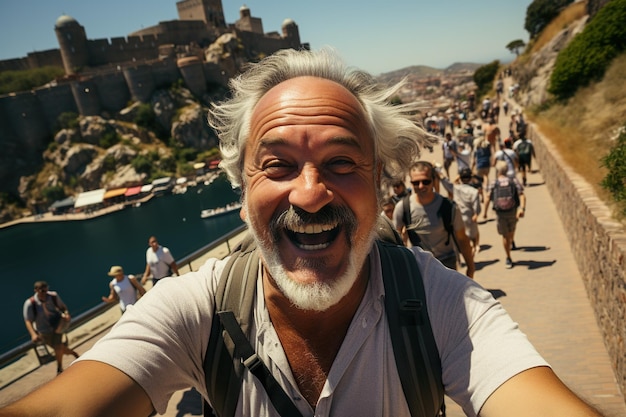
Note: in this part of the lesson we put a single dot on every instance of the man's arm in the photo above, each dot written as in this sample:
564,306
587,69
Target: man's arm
466,250
536,392
146,274
174,268
97,389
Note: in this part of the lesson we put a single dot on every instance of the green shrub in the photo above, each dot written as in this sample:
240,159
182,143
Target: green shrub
54,193
109,139
484,76
68,120
142,164
589,54
615,162
13,81
109,164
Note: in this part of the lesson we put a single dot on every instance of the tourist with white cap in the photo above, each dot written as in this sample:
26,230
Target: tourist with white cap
124,288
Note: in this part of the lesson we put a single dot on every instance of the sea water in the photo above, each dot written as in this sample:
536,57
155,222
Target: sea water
75,256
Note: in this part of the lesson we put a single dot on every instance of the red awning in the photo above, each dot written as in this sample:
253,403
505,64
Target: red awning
132,191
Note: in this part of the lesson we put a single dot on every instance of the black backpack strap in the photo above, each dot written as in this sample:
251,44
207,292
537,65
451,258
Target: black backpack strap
414,347
414,237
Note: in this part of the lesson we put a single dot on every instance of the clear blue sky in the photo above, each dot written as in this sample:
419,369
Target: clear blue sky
393,35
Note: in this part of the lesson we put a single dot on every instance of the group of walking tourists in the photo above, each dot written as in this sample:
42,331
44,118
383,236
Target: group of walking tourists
47,317
323,309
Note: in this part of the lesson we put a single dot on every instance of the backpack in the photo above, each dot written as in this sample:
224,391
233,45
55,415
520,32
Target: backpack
53,320
505,198
33,305
415,351
444,212
524,151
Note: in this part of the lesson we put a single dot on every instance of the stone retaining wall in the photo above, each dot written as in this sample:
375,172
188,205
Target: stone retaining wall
598,244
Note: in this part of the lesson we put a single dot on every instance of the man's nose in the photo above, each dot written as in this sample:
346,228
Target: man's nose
310,192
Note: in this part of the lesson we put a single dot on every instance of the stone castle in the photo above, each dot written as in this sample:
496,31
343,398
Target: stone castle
103,75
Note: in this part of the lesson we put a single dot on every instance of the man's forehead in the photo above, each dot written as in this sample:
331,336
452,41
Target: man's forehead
294,90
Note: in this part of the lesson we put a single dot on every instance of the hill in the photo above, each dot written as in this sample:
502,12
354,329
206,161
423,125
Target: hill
416,72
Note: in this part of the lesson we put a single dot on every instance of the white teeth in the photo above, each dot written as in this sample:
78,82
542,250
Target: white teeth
314,228
314,247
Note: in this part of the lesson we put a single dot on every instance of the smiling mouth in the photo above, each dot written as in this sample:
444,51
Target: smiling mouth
312,237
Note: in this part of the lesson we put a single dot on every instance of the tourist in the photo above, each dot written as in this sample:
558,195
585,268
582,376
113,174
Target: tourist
159,262
46,317
124,288
309,142
509,203
421,218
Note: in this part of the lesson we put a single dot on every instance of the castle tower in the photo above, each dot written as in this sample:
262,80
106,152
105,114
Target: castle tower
247,23
73,44
209,11
291,33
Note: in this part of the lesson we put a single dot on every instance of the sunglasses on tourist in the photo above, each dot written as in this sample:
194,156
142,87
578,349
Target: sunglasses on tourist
418,182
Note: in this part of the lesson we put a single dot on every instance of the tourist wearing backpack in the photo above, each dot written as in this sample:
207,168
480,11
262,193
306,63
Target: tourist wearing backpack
44,315
420,217
309,140
525,151
509,203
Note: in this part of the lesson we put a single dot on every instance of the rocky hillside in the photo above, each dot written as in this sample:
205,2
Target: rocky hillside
106,153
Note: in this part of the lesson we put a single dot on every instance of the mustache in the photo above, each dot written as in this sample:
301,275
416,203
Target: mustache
295,217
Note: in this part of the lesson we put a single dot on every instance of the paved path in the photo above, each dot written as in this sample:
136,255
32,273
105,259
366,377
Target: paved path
543,292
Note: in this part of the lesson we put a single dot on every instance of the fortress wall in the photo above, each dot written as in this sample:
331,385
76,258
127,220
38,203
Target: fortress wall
51,57
598,243
135,48
14,64
112,90
86,97
164,72
262,44
140,82
193,74
26,119
217,74
54,101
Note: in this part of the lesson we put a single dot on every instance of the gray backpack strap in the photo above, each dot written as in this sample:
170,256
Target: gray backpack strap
222,367
414,348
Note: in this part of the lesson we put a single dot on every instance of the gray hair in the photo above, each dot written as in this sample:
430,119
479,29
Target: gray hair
397,135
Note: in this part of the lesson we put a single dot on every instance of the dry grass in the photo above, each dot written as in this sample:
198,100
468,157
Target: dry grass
584,129
572,13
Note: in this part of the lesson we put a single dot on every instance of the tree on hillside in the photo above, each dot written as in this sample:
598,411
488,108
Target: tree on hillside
515,46
541,12
484,76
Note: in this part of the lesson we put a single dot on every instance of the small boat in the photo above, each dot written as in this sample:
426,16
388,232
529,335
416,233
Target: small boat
214,212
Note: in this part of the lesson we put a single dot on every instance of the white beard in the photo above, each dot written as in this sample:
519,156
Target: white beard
317,296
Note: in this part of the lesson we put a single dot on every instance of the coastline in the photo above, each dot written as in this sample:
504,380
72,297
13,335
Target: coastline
49,217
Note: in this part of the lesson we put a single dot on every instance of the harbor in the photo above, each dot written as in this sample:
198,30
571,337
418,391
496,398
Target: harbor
74,256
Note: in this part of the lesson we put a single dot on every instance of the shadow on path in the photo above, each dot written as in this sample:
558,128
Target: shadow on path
532,248
535,264
482,264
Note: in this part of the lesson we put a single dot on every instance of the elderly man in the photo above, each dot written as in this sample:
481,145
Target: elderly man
309,142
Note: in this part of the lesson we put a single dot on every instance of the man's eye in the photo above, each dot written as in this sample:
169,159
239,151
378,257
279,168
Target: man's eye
277,168
341,166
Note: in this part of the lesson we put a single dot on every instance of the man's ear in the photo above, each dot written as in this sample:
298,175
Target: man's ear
243,215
